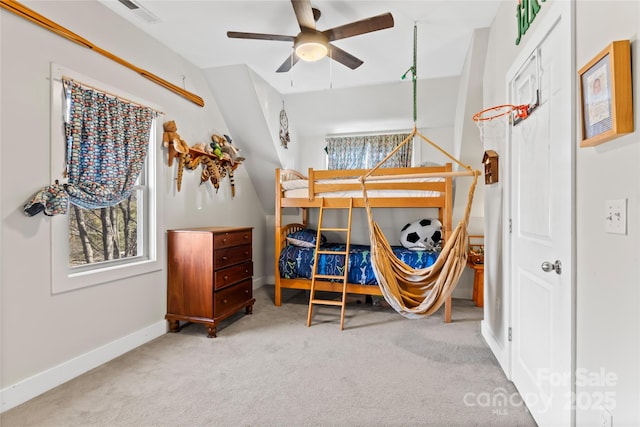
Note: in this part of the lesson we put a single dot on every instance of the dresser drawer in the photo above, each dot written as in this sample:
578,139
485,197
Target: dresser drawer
232,238
231,297
230,275
231,256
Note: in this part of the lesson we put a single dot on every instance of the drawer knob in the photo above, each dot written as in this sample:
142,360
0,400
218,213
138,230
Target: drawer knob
224,301
224,258
246,291
224,240
226,277
246,236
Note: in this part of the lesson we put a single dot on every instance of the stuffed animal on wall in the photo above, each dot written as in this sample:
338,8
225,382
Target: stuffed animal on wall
171,136
216,147
231,150
199,147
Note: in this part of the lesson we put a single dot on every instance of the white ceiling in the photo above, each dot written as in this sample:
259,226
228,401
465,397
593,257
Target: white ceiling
197,31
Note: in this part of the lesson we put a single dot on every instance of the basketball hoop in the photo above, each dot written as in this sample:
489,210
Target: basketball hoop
492,124
521,112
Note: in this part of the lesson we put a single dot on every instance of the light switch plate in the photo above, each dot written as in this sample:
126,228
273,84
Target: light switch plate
606,419
615,216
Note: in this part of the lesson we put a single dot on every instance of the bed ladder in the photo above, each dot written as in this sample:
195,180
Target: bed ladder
315,276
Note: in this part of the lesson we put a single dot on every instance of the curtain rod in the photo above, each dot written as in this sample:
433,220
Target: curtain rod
97,89
33,16
371,133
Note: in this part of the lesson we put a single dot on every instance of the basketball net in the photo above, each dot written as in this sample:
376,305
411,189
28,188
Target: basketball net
492,122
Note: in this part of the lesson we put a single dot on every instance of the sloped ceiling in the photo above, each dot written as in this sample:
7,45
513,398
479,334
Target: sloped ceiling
245,113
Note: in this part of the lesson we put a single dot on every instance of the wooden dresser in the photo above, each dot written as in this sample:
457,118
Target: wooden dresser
209,275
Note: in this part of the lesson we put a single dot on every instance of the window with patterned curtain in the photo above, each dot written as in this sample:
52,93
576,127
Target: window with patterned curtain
107,143
107,140
364,152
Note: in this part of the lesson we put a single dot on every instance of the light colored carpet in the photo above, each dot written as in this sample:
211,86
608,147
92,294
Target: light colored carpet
270,369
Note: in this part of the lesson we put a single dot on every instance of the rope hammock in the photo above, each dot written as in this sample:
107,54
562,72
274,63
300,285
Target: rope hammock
419,292
415,293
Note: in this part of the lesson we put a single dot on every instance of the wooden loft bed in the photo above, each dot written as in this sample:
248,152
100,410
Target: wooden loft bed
419,187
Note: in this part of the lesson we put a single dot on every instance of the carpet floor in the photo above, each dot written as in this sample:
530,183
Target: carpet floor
270,369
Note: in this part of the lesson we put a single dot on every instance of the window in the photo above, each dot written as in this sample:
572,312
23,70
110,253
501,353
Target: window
95,245
112,235
365,152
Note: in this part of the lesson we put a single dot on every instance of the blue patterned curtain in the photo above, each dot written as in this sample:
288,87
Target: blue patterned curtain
381,145
107,141
347,153
364,152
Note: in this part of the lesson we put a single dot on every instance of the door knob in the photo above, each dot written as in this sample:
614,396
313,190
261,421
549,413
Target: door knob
556,266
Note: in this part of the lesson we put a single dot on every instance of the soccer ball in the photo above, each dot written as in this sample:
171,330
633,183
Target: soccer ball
422,235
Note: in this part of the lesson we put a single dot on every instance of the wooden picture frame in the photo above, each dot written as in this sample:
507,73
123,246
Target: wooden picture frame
606,95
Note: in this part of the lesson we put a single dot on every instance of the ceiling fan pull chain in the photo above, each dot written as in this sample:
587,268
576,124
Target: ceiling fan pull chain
291,60
330,69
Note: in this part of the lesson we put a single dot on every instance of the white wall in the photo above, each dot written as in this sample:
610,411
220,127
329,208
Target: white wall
607,266
251,108
46,339
467,142
382,108
501,52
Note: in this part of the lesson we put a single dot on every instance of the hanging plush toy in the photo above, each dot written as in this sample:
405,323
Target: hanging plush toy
171,136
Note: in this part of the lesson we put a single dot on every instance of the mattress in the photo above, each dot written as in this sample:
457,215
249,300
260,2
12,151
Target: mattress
297,262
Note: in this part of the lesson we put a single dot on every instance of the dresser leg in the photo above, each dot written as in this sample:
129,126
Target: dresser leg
174,326
249,309
212,331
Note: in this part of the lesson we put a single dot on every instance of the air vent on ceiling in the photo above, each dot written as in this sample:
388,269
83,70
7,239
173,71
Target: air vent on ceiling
139,11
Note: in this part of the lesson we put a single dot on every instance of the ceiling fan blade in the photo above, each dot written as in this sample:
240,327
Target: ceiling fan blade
368,25
304,14
258,36
344,58
290,62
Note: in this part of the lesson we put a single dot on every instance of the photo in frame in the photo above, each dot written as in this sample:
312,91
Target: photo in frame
606,95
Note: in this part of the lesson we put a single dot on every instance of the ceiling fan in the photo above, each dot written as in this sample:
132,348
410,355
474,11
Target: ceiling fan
313,45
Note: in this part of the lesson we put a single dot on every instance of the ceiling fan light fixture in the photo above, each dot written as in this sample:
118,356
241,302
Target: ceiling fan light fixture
311,47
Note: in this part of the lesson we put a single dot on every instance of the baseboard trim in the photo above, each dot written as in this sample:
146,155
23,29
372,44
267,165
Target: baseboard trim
499,351
29,388
258,282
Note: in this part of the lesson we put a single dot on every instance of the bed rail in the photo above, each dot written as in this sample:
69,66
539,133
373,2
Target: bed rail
289,174
320,180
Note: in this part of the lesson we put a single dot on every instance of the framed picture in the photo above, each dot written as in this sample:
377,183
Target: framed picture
606,95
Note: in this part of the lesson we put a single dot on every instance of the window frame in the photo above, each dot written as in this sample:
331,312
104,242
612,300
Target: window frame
64,277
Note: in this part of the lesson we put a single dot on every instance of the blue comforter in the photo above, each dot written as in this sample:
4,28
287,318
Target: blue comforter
297,262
